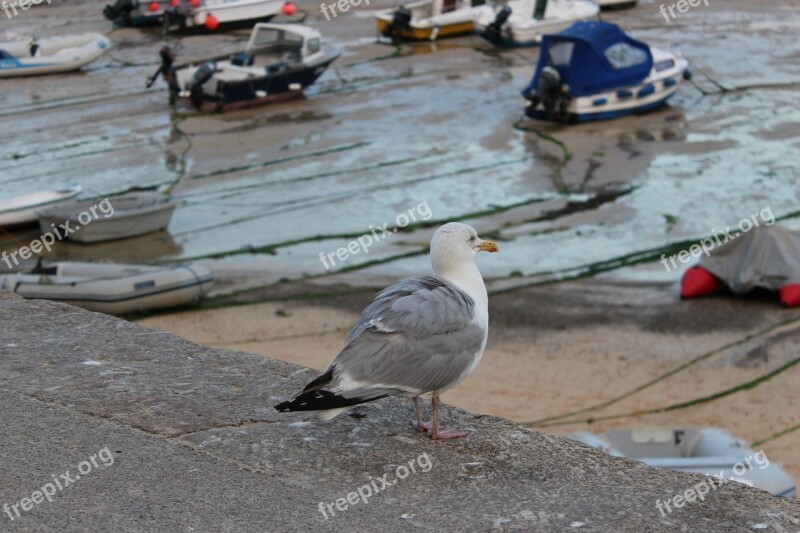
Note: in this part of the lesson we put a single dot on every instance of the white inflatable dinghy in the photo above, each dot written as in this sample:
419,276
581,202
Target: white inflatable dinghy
51,55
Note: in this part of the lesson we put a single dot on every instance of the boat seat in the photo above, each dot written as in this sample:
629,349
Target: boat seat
277,67
292,56
242,59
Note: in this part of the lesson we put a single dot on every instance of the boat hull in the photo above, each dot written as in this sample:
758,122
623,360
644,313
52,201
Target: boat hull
224,12
709,451
611,5
522,30
57,55
649,94
517,37
132,216
19,212
431,33
231,12
589,116
259,91
114,289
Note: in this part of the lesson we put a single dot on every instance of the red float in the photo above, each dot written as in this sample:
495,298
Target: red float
697,281
790,295
212,22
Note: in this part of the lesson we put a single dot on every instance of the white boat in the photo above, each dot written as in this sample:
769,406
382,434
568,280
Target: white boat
594,71
709,451
616,4
51,55
21,211
112,288
525,22
279,61
428,20
118,217
186,14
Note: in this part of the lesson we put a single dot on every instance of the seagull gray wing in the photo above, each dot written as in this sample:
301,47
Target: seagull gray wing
418,336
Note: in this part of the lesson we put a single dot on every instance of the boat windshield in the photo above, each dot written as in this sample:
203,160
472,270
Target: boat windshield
664,65
623,55
561,53
275,39
266,36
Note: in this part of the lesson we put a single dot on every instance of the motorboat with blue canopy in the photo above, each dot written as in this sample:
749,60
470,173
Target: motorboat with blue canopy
594,70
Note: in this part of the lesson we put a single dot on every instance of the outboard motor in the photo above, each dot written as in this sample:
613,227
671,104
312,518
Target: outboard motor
549,91
175,16
493,32
121,10
201,76
401,21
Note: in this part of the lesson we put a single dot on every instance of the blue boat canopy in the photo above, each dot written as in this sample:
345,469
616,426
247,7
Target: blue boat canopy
592,57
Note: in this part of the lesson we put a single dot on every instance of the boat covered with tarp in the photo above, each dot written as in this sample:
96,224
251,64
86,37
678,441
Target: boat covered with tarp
594,70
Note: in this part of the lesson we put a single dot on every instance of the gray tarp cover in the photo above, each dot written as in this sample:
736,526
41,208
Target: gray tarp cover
767,257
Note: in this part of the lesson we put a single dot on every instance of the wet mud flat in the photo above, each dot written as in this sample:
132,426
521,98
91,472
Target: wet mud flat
264,191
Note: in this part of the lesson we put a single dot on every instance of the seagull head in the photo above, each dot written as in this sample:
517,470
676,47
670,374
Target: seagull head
456,243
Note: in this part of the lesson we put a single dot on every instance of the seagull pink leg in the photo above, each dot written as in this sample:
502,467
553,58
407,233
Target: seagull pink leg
445,433
418,424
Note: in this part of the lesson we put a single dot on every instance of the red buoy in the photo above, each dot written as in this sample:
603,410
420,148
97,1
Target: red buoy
173,3
212,23
697,281
153,7
194,3
288,9
790,295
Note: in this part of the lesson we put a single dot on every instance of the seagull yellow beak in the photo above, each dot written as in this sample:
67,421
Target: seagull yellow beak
488,246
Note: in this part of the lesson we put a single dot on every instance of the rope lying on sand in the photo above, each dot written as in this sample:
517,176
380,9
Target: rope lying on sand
557,420
703,399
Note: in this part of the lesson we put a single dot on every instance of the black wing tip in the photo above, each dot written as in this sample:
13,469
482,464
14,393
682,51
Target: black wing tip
283,407
321,400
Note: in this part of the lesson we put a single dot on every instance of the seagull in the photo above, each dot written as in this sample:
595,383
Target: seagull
420,337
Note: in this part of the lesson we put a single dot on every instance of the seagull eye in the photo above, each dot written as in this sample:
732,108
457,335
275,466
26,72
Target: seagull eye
472,239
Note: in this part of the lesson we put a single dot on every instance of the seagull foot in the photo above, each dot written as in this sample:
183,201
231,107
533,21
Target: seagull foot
422,426
446,433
